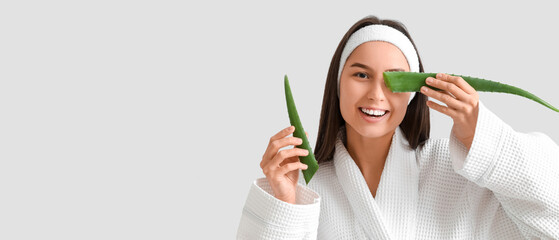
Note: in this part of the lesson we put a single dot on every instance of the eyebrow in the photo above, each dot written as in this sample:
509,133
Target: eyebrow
368,68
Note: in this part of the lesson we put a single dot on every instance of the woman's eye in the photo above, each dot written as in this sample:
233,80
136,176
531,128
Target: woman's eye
361,75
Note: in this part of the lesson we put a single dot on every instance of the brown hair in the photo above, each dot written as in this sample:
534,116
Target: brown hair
415,124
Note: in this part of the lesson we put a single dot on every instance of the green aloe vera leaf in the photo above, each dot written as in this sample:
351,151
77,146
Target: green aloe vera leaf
413,81
309,160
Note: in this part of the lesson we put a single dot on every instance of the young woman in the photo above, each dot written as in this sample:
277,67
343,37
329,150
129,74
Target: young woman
380,175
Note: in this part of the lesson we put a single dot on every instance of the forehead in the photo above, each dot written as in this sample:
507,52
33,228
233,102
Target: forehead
379,52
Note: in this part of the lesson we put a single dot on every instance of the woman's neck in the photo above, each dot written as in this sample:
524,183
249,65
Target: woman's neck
369,154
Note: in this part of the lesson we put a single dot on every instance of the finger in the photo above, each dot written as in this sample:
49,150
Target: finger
307,134
441,96
276,145
442,109
291,167
283,133
289,160
285,154
450,87
458,81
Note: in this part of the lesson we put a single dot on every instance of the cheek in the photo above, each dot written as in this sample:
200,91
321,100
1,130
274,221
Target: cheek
400,103
400,99
352,90
348,100
346,104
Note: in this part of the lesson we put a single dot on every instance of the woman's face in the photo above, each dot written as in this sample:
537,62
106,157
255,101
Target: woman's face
362,88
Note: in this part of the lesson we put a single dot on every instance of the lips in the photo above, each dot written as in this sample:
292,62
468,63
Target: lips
373,112
374,119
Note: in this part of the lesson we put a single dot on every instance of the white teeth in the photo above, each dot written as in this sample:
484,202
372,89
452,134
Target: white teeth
373,112
378,112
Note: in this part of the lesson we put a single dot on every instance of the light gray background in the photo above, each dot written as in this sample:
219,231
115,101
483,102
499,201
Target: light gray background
147,119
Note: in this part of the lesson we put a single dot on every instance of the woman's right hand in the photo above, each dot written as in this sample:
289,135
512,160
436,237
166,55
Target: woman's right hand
282,167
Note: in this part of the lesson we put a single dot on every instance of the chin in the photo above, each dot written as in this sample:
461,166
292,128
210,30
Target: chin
376,132
373,131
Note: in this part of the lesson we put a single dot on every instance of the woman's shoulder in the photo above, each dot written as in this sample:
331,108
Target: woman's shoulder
326,171
433,151
324,179
433,147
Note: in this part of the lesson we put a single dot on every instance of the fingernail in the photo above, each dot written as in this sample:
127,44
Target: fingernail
429,80
291,128
305,167
300,141
423,89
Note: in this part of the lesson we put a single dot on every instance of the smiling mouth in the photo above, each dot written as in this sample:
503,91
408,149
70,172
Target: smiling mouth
373,113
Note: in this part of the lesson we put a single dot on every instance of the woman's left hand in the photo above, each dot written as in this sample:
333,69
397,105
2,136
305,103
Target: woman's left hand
462,102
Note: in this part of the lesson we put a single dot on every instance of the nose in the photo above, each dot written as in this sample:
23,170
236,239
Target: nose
377,89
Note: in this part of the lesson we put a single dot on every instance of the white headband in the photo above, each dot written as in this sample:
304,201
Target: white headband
383,33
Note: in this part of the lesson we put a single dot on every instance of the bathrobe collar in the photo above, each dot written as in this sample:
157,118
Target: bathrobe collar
392,213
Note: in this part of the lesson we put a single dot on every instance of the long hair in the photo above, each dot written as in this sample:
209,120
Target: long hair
415,125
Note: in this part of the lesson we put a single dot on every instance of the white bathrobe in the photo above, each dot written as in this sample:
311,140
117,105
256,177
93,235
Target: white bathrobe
505,187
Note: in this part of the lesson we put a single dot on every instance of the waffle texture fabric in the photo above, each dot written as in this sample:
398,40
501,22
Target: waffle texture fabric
505,187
